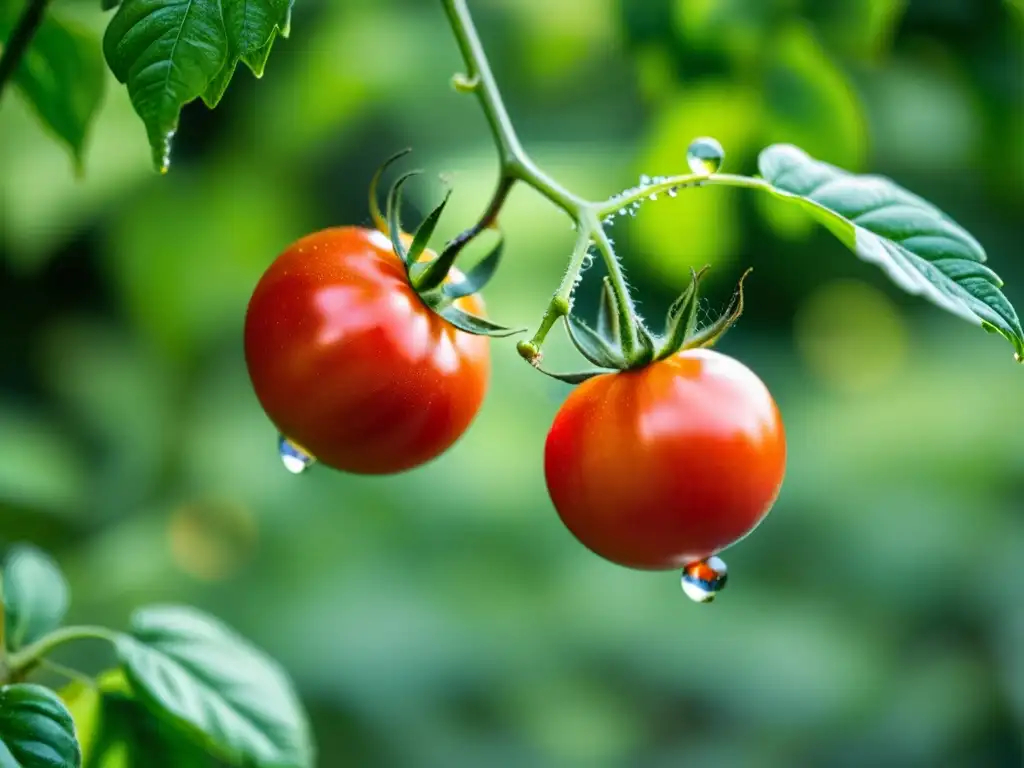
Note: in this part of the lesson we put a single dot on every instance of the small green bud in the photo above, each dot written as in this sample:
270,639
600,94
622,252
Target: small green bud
561,305
529,351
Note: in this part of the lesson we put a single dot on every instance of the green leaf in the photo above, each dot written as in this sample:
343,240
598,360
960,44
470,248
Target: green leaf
216,688
35,596
591,344
167,52
36,729
62,76
478,276
921,249
219,85
170,52
478,326
116,731
251,27
256,60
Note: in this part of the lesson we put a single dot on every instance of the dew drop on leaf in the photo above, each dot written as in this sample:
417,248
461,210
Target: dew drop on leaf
705,155
295,459
704,579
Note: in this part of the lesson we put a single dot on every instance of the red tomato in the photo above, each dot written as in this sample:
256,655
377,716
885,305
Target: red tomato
668,464
348,361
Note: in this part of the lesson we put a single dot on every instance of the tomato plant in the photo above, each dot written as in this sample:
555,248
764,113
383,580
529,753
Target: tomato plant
369,351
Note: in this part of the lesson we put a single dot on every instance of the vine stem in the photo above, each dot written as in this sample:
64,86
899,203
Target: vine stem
516,165
21,37
22,662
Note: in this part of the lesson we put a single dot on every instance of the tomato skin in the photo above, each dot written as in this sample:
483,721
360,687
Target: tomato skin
668,464
349,363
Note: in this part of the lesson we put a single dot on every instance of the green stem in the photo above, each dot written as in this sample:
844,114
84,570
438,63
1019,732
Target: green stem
618,281
24,660
614,204
21,37
515,164
561,302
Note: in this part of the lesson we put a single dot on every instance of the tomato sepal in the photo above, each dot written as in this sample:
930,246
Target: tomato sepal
709,336
478,326
379,220
394,218
608,312
681,321
433,273
477,277
571,378
592,345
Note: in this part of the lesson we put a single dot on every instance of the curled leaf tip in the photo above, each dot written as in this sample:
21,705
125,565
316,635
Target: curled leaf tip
379,220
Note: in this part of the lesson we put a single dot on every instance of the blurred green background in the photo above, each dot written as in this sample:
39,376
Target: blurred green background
444,617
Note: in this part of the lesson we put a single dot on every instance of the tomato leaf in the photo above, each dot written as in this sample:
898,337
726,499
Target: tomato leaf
921,249
251,26
170,52
591,345
478,326
35,596
478,276
215,688
116,730
62,76
36,729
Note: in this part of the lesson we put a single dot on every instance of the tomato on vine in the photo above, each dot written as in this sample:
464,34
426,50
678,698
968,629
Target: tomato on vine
369,353
669,464
673,457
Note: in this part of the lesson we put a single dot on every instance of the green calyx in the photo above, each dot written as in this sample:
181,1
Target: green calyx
605,346
434,280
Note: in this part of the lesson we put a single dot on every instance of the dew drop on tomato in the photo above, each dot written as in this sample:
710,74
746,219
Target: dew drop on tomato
704,579
295,459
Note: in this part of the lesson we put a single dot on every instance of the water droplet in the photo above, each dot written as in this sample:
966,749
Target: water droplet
705,155
645,180
293,456
653,196
704,579
673,191
609,220
622,211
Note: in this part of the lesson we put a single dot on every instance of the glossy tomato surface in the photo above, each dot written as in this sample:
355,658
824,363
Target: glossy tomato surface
662,466
349,363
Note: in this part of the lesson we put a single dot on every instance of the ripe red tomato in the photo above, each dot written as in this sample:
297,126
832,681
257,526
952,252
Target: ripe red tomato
658,467
348,361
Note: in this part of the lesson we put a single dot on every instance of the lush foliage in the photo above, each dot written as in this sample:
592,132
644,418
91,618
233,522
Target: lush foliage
180,672
881,608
